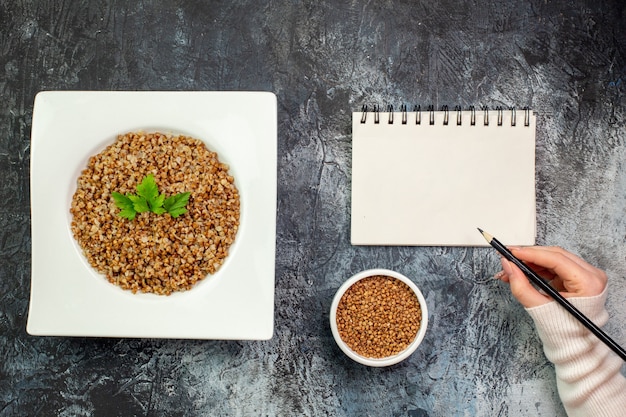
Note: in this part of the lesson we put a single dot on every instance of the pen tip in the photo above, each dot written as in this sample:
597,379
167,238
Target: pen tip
480,230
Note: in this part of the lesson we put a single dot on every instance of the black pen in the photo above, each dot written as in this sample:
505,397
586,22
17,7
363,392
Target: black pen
543,285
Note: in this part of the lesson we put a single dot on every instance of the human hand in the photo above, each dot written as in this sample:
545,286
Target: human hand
564,271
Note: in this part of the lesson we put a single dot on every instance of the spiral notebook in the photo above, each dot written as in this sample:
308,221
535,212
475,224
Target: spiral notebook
430,178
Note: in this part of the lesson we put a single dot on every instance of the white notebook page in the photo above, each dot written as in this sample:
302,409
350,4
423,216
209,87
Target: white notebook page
424,185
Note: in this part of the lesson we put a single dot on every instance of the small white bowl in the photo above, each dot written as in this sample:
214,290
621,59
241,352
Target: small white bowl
390,360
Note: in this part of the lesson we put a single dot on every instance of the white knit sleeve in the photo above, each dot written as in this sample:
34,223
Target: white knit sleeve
588,374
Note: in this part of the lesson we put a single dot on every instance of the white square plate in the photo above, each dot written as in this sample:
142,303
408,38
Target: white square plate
69,298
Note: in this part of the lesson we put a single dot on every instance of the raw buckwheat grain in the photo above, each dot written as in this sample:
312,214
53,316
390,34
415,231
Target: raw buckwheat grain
378,316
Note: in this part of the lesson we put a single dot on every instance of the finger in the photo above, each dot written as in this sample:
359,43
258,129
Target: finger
547,250
555,261
571,274
501,276
544,273
521,288
541,271
556,282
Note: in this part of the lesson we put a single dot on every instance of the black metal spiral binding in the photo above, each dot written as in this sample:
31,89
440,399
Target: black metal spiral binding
526,116
459,119
417,109
418,114
431,117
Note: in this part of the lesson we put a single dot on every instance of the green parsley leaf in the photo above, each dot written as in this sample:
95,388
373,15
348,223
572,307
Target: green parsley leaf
140,204
158,210
148,189
175,205
125,204
156,204
149,199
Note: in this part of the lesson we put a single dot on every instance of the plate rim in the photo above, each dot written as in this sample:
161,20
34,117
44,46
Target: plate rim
41,317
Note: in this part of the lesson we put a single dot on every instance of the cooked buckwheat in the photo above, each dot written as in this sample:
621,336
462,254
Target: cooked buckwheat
156,253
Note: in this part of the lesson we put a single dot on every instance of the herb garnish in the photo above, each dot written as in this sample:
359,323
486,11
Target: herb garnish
149,199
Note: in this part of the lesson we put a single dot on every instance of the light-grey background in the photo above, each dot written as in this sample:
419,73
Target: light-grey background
323,60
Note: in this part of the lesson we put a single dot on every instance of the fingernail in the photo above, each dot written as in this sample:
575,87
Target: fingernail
499,275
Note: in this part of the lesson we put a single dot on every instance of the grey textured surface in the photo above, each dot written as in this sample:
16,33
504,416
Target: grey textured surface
324,59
